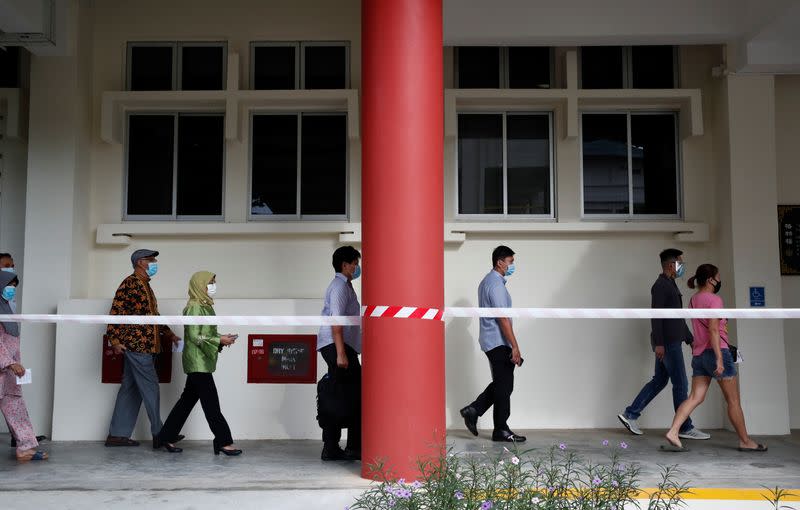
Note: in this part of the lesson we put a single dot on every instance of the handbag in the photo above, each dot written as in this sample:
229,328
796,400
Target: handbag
338,401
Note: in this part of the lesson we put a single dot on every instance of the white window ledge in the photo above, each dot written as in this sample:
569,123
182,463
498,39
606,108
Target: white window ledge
348,232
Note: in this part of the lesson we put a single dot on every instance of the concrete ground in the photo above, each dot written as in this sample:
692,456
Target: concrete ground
290,475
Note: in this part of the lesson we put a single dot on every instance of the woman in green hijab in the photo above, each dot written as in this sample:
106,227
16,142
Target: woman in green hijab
202,345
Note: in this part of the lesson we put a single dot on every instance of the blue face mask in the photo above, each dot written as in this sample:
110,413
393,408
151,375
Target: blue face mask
357,273
9,293
680,269
9,270
152,269
510,270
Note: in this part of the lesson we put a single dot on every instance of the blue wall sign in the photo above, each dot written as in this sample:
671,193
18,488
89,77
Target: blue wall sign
758,297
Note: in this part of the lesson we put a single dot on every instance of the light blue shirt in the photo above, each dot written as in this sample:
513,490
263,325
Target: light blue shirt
492,293
340,299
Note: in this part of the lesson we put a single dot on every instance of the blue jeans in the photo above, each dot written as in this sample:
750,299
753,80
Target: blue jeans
670,368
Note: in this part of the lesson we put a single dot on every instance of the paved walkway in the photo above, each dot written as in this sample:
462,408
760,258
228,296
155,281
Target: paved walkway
290,475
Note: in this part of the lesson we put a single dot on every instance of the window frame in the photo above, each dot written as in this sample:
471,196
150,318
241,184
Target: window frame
627,67
505,216
175,217
503,68
177,60
298,216
631,216
311,44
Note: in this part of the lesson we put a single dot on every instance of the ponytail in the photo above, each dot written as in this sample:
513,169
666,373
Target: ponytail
692,283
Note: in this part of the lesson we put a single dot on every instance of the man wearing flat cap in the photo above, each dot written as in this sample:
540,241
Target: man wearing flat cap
139,344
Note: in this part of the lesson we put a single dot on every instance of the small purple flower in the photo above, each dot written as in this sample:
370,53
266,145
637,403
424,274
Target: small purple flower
623,445
551,489
515,460
416,485
605,442
562,446
621,467
404,494
501,463
401,481
486,505
596,481
614,483
459,495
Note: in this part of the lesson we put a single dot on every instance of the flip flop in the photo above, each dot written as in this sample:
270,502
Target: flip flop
673,448
760,448
39,455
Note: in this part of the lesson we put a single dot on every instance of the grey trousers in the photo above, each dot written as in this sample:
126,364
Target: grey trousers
139,384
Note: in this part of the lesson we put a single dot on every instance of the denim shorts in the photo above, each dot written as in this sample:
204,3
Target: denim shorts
705,364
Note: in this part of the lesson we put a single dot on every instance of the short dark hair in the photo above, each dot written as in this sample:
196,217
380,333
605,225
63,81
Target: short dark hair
669,255
344,254
500,253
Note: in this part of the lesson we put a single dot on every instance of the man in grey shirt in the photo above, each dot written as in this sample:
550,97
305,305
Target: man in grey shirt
497,340
340,347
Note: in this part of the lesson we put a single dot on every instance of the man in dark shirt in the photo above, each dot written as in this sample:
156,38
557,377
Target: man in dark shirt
666,338
140,344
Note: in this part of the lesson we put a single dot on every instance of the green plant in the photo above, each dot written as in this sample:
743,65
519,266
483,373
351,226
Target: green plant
556,479
776,495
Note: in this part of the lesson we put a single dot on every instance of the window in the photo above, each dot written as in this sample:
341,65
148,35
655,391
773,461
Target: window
177,66
299,165
299,65
9,67
630,164
175,166
505,163
638,67
493,67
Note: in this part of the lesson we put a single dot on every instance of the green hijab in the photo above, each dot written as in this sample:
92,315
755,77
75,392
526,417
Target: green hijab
198,287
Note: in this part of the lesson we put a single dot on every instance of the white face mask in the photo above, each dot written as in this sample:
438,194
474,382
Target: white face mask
212,289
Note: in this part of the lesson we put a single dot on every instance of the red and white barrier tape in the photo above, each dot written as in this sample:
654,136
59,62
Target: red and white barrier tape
420,313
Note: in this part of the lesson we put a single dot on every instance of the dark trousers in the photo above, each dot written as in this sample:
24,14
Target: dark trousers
199,386
332,435
498,393
139,385
669,369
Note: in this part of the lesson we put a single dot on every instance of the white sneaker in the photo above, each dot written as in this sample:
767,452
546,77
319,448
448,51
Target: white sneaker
631,425
695,433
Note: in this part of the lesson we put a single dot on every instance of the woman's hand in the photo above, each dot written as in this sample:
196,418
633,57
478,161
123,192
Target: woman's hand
227,339
720,367
18,369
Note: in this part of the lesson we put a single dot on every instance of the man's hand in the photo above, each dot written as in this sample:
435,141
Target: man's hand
516,357
119,349
341,359
227,339
18,369
660,352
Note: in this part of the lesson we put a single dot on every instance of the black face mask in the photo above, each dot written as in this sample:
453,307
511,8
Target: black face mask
717,286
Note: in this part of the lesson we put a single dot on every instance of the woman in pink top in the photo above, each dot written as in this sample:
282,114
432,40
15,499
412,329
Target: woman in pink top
711,357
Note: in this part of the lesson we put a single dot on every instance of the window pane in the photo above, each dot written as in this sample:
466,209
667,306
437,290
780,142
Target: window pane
9,67
202,68
528,153
605,164
655,168
653,67
528,67
478,67
201,149
323,178
274,186
601,67
151,140
274,67
151,68
480,164
325,67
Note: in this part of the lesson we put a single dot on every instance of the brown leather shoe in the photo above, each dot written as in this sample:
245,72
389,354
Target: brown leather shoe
112,441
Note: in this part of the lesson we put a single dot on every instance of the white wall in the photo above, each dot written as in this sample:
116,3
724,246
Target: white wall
787,128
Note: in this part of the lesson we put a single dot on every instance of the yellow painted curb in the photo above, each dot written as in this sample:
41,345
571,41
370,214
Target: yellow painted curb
727,494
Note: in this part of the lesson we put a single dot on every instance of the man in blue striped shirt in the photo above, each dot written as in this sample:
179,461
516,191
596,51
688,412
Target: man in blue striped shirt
340,347
500,345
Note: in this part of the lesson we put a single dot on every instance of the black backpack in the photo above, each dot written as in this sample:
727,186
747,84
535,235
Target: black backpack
338,401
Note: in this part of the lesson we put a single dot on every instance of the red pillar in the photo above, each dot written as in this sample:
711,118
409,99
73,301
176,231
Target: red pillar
403,230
